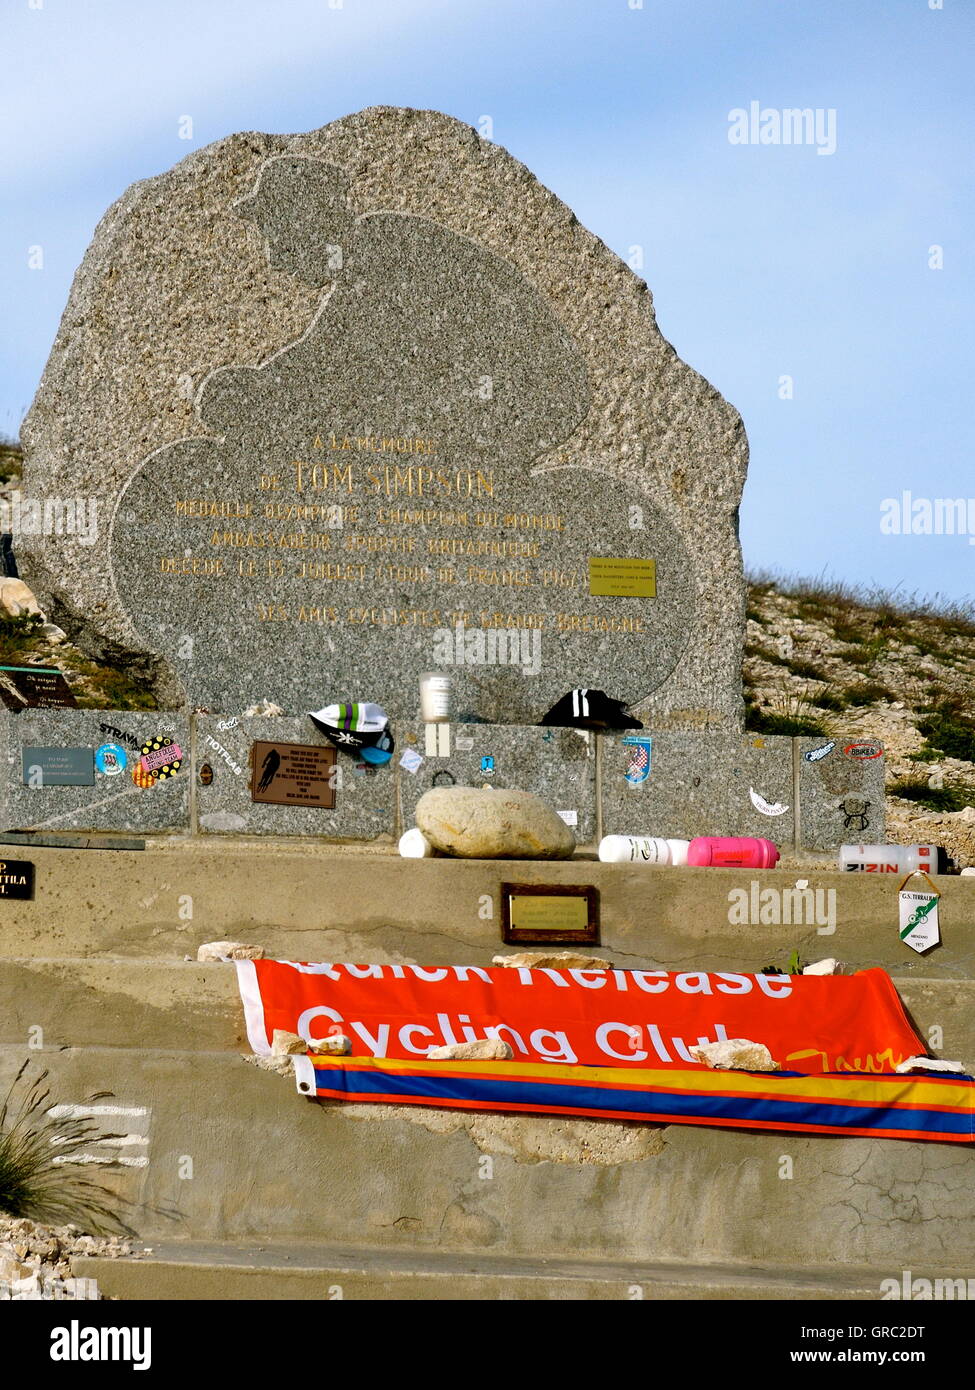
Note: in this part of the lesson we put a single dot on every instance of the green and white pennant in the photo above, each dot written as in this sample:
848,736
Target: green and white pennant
918,915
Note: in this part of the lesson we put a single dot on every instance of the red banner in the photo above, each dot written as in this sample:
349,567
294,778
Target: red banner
640,1018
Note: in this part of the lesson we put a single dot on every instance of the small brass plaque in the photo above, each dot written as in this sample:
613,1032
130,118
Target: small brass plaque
623,578
549,913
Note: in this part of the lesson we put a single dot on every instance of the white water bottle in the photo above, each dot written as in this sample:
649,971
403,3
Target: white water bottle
413,844
642,849
892,859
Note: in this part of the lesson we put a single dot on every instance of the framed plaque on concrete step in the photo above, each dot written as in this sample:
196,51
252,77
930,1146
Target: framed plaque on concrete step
549,913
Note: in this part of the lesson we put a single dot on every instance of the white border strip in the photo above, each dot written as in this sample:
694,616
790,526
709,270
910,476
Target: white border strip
305,1075
250,995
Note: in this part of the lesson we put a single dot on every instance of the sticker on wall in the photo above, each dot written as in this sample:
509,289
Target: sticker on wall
141,777
855,810
410,760
815,754
862,752
487,765
437,741
766,808
639,753
111,759
161,757
206,775
570,817
464,743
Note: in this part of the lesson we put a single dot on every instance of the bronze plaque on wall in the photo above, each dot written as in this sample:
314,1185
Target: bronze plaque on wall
549,913
293,774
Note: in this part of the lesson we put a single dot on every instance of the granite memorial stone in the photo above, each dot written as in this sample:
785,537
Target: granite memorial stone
368,402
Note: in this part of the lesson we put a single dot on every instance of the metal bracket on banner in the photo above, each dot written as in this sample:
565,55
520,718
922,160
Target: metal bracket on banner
918,925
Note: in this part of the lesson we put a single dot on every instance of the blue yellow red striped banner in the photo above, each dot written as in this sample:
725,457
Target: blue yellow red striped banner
885,1106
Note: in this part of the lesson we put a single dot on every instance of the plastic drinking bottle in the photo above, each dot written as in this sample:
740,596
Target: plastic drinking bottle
732,852
642,849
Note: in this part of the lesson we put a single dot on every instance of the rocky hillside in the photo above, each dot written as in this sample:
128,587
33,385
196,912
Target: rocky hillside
827,659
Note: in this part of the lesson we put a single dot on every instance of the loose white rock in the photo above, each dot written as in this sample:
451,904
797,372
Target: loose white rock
552,960
492,823
229,950
337,1046
264,709
17,600
931,1064
822,967
285,1044
11,1266
737,1054
485,1049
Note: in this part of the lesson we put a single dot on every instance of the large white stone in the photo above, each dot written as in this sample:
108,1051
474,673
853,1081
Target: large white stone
474,823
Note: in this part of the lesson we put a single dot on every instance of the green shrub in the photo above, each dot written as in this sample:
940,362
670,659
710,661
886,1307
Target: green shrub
18,635
808,670
40,1175
759,721
934,798
867,693
949,734
836,703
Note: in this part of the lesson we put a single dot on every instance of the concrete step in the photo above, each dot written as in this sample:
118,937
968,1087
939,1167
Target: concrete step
224,1273
218,1150
111,1002
318,902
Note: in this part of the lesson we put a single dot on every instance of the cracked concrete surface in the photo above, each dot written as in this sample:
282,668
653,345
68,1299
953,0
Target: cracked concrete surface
527,1138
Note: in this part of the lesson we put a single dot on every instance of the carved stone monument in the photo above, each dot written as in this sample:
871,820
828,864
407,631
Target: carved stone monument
368,402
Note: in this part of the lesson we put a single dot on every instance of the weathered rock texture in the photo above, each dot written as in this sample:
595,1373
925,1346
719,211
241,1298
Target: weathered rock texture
229,950
552,960
483,1049
736,1054
473,823
422,282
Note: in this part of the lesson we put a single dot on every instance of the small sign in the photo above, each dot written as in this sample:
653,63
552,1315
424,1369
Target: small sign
625,578
16,878
58,767
918,925
23,687
549,913
293,774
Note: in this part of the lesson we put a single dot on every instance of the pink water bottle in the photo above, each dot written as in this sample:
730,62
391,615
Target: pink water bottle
732,852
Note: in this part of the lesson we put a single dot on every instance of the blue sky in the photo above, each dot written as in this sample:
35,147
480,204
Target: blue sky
764,260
